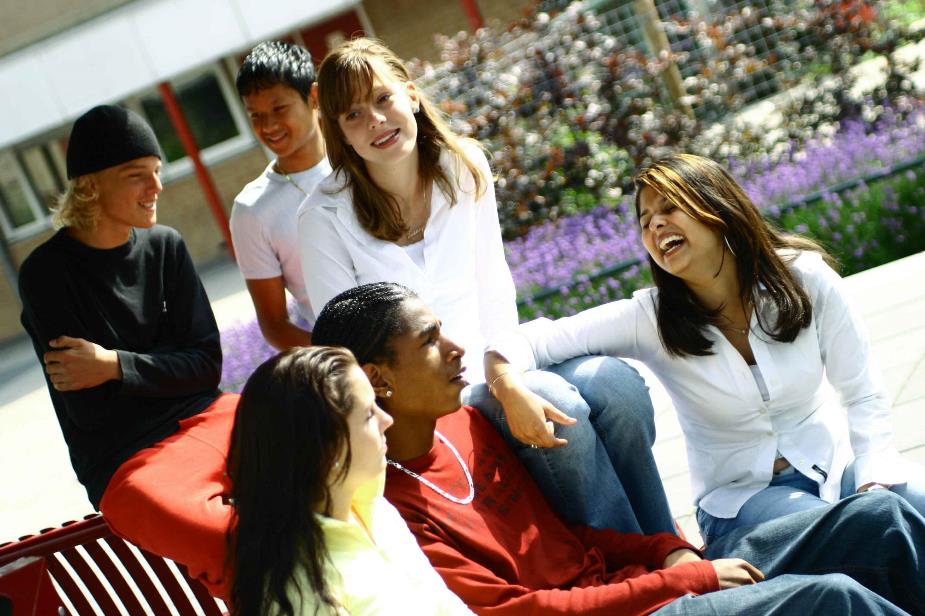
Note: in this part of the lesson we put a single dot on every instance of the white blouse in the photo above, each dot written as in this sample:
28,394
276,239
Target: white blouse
465,279
732,434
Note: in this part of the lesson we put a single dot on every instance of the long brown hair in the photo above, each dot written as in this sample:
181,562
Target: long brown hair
346,75
290,439
706,192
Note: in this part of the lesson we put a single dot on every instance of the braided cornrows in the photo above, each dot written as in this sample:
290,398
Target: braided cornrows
364,319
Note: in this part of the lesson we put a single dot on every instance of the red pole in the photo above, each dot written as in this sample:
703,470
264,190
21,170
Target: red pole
472,11
202,174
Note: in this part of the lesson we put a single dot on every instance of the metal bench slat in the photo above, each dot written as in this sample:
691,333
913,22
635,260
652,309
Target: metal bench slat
139,574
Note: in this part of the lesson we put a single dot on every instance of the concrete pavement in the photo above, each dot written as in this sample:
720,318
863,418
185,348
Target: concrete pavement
40,490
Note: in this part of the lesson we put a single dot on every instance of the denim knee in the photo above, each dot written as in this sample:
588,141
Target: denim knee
558,392
618,392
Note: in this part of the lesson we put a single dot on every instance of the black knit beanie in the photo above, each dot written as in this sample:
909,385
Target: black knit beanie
107,136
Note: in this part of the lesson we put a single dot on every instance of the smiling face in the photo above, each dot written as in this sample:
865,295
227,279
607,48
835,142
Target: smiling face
286,123
678,243
127,196
426,373
367,424
380,125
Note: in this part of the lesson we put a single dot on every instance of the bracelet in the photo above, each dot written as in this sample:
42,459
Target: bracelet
491,384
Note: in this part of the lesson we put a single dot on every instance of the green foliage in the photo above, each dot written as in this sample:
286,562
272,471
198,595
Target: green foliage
869,225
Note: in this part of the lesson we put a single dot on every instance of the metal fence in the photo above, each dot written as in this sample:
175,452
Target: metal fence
728,53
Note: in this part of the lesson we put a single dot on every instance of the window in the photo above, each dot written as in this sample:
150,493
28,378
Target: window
20,211
210,107
46,171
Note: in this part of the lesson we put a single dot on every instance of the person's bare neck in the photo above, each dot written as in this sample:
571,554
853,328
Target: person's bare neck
402,180
341,502
721,291
410,438
304,158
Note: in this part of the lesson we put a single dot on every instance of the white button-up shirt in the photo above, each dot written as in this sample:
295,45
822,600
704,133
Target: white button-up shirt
733,435
465,279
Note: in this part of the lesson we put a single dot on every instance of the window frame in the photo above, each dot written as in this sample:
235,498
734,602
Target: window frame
218,152
42,218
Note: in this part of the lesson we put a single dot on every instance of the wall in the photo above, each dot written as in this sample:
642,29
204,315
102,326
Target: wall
183,206
409,26
25,22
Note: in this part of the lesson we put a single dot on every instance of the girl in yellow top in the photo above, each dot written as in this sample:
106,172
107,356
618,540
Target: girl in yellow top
311,532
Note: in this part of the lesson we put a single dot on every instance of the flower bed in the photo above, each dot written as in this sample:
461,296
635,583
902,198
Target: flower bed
864,226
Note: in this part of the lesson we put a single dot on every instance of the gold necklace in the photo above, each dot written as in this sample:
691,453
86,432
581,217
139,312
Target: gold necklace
729,328
742,331
412,234
289,178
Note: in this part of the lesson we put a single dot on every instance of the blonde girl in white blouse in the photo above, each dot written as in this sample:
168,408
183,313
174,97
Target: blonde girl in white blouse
411,202
742,326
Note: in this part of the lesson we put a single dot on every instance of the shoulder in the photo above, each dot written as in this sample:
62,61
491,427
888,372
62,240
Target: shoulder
331,194
810,268
43,261
253,190
160,235
645,300
158,242
471,149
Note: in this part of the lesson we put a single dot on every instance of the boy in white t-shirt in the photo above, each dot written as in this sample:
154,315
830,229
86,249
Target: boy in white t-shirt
277,84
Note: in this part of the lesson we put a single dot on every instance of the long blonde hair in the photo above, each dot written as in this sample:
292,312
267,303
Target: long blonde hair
78,206
347,74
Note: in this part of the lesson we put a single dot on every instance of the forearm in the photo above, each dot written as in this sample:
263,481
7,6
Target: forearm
283,334
504,379
630,596
622,549
173,372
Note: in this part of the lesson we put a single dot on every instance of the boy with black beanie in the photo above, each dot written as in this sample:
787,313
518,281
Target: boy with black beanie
277,85
120,321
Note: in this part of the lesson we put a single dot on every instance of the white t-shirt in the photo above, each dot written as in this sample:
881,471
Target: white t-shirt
263,229
733,435
465,279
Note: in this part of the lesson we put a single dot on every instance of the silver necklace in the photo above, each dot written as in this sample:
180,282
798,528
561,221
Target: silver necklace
459,501
291,181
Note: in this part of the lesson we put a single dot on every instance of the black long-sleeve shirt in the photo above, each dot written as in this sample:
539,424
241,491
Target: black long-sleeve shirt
144,300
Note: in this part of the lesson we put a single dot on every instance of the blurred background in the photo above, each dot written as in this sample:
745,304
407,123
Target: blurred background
818,108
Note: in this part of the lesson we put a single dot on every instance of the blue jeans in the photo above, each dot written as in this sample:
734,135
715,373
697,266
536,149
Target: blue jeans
792,491
876,538
606,477
785,596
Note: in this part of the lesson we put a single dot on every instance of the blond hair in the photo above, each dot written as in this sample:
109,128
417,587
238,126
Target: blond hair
346,75
78,206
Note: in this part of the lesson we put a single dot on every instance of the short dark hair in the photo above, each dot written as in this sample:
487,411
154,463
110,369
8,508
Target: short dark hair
364,319
274,62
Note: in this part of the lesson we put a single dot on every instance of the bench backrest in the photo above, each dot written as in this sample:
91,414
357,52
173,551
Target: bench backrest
95,572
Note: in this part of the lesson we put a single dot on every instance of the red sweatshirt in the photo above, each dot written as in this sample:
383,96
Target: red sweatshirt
507,552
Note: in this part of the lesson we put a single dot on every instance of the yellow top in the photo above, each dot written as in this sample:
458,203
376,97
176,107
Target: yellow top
387,574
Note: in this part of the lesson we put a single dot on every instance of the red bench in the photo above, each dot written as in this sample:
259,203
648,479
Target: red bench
95,572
